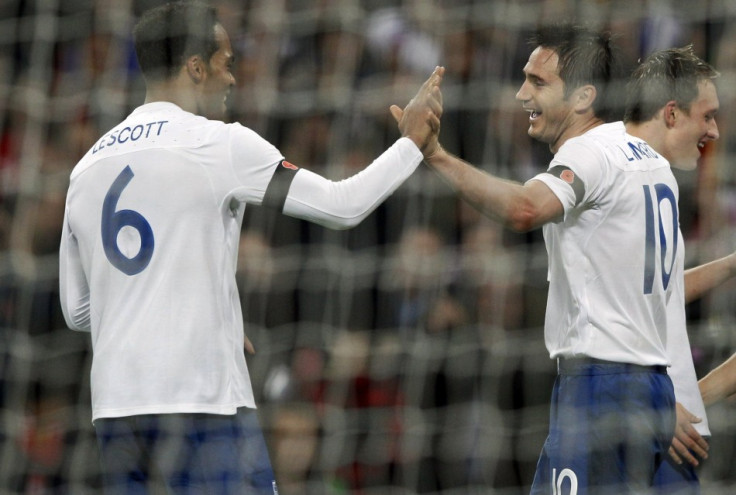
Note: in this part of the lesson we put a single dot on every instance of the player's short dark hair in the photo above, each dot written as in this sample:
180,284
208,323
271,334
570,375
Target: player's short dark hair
167,35
664,76
585,57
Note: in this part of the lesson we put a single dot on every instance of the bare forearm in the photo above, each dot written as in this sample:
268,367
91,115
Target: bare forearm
505,201
705,277
719,383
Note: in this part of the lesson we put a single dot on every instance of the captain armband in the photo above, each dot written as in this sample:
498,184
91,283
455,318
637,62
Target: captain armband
567,175
278,188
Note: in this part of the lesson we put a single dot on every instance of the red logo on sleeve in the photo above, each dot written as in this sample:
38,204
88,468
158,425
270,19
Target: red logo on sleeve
568,176
288,165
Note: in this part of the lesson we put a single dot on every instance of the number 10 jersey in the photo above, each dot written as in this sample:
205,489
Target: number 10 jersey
612,258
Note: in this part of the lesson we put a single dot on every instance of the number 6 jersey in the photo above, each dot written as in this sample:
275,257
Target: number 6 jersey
149,248
613,255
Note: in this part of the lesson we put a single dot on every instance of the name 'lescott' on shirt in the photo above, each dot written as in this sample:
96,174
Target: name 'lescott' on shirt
130,134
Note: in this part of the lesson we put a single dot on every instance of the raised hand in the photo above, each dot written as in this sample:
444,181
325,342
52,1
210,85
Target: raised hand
420,119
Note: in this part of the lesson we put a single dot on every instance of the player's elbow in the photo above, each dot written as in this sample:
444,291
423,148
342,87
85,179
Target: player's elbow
78,318
343,211
520,224
523,216
341,221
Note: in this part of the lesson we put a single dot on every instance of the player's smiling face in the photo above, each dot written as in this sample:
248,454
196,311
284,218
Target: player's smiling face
219,79
694,128
543,96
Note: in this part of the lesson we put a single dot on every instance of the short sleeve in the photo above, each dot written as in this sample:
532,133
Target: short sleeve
575,173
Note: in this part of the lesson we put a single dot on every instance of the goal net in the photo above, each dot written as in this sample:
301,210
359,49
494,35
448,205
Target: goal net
403,356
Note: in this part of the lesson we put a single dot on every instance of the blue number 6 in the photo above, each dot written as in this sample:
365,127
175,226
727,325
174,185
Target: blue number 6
113,221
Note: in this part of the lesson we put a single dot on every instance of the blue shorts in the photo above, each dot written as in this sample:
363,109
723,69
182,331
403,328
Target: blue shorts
190,453
611,425
676,479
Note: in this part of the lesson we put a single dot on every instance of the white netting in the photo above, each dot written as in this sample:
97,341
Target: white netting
404,356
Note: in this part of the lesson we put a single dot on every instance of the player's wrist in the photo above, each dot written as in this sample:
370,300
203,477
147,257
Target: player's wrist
432,152
419,141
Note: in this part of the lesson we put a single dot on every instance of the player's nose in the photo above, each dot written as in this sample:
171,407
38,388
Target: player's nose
523,94
713,130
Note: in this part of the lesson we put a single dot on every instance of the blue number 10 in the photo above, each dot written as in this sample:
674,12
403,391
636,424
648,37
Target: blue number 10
664,193
113,221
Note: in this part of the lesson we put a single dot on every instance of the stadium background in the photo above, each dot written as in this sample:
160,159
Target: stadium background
404,356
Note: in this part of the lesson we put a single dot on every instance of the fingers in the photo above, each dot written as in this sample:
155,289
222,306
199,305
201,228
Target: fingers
434,79
437,94
249,346
429,94
688,443
695,443
397,112
690,437
681,453
434,101
420,119
437,74
674,456
434,91
430,90
434,122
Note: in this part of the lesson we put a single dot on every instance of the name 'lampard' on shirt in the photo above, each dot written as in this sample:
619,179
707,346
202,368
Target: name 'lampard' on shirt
130,134
638,151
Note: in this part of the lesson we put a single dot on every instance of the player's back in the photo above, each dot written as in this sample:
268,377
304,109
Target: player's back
152,210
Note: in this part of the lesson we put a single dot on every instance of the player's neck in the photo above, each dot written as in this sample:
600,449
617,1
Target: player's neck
649,131
172,92
576,129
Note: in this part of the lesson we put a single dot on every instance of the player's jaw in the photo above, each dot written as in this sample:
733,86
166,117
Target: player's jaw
685,152
547,124
213,105
690,142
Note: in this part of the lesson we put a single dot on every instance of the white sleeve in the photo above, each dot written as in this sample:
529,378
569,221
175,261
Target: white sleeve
344,204
575,173
73,287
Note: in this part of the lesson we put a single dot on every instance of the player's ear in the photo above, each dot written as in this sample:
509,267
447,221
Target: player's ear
584,97
195,68
670,113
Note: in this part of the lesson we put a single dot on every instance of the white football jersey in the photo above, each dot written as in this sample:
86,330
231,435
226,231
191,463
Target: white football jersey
612,256
149,248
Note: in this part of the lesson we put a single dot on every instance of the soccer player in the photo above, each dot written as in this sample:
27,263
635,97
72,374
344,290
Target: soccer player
147,259
672,104
608,208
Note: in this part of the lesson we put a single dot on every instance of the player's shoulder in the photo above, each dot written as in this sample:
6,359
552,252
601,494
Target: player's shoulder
601,136
604,142
593,143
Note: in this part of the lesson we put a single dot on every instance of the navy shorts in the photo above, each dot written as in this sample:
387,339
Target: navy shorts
189,453
611,425
676,479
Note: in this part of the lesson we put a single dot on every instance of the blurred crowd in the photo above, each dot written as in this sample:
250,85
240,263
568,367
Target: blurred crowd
403,356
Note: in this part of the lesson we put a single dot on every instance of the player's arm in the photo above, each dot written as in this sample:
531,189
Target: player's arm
344,204
73,287
703,278
720,383
521,207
